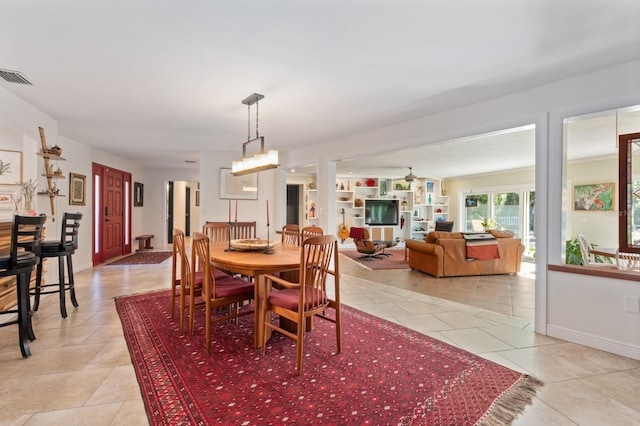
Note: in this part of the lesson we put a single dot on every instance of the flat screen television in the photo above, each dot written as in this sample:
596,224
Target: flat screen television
381,212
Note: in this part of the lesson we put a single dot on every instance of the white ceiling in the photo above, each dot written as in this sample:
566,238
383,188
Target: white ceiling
159,81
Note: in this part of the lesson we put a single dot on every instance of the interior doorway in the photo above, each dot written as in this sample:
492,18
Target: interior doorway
294,195
111,213
182,209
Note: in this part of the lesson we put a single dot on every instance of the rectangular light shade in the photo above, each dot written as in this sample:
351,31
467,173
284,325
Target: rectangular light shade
257,163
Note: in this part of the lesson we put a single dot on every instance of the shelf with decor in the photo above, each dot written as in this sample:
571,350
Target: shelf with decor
48,155
311,215
416,208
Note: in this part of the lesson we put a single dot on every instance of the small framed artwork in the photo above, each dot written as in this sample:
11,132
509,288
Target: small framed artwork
430,185
138,194
471,202
401,185
10,167
238,187
594,197
77,189
197,198
9,196
383,187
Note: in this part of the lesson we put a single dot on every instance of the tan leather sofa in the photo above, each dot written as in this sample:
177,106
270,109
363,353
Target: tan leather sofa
443,254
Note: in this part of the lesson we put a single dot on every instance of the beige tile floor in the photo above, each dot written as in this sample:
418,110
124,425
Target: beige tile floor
80,371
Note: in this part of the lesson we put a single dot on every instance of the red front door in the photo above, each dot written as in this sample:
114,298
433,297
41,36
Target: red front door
112,213
113,230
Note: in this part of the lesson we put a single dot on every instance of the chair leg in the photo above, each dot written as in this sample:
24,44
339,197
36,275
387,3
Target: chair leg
23,314
30,334
72,288
63,303
36,299
300,334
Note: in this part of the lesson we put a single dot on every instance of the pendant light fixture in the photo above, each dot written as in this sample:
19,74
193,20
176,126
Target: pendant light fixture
261,160
410,177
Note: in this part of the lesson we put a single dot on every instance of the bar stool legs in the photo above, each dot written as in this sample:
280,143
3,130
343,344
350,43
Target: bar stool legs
64,248
61,286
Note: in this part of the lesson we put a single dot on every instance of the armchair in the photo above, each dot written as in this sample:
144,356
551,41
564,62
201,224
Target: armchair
364,245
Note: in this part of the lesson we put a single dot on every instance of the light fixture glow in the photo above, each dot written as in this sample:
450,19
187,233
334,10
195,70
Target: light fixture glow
257,163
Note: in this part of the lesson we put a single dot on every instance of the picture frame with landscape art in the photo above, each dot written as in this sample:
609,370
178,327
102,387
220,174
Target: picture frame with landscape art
594,197
401,185
10,167
77,189
243,187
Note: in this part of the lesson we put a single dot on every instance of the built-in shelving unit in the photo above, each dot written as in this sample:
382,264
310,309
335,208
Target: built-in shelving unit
421,205
52,172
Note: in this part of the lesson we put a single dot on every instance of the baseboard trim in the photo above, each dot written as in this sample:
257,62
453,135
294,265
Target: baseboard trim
597,342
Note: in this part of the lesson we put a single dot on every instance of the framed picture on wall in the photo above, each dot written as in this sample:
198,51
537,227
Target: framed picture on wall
594,197
77,189
238,187
10,167
138,194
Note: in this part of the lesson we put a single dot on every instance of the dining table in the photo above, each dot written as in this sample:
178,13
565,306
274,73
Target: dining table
255,264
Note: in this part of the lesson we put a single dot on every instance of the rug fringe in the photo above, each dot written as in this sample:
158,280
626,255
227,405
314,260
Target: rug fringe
512,402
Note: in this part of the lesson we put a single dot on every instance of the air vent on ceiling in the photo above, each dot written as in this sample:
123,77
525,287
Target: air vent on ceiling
14,77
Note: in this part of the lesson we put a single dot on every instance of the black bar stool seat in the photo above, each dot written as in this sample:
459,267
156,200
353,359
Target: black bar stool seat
62,249
26,235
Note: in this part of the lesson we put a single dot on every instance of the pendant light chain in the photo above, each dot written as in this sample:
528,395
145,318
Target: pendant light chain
248,122
257,136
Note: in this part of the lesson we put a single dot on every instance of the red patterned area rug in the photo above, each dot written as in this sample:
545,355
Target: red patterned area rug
385,374
143,258
395,261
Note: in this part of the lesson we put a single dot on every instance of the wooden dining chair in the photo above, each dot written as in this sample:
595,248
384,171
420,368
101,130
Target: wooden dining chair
186,285
217,231
291,235
310,231
228,293
308,297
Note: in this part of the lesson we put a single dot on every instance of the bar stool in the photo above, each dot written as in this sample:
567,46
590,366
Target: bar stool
26,234
62,249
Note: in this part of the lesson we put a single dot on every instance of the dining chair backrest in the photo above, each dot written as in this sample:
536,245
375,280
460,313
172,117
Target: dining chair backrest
291,235
310,231
627,261
69,230
26,235
180,274
585,250
316,258
180,259
216,231
243,230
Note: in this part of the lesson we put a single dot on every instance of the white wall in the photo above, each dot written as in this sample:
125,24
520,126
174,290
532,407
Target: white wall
591,311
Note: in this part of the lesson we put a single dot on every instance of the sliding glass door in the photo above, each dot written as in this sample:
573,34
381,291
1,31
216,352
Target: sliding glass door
506,210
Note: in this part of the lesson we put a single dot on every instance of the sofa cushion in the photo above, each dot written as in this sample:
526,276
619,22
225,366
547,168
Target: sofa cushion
434,235
500,233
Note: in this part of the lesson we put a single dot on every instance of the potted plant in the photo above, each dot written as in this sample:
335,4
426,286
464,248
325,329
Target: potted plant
489,224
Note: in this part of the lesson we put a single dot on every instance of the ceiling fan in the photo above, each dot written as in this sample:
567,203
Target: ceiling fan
410,177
